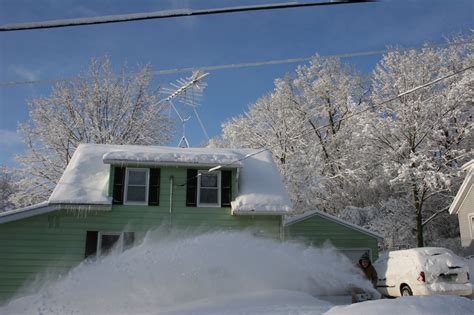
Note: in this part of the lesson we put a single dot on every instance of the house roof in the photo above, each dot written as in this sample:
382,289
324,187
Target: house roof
85,181
289,220
46,207
464,189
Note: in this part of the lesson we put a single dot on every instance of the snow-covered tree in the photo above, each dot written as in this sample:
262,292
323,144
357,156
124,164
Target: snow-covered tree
303,123
7,188
99,106
391,218
422,138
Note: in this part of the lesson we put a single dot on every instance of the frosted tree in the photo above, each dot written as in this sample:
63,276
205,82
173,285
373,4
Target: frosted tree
275,121
7,188
99,106
303,123
422,138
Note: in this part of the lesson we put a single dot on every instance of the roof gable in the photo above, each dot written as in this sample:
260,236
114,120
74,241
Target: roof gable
298,218
464,189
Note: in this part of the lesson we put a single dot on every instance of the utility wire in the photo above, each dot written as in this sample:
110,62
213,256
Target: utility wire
242,65
311,130
165,14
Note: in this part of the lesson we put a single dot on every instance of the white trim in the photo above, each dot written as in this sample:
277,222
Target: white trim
307,215
45,207
147,187
463,190
208,205
258,212
99,240
468,165
471,224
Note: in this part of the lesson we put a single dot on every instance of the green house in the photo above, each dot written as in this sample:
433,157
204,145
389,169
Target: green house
109,196
316,228
112,195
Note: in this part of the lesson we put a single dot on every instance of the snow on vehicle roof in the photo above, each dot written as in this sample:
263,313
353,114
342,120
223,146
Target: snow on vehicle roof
428,251
434,261
86,178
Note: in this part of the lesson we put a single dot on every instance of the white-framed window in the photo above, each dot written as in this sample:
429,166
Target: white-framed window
109,241
209,189
136,186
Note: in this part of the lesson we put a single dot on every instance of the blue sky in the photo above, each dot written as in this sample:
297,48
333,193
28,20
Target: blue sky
204,41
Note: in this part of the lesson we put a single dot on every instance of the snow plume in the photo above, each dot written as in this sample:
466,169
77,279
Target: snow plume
165,272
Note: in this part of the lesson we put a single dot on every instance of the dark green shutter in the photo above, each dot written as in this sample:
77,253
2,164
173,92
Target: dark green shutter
91,243
191,188
226,188
154,187
119,179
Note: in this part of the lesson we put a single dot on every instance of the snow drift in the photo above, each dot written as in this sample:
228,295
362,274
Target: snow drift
166,272
413,305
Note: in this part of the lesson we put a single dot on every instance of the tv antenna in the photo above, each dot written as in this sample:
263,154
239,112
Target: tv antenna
187,92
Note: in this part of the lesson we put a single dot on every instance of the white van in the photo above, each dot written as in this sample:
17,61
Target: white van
422,271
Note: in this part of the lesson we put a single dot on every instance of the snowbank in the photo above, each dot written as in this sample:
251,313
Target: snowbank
86,178
470,263
276,302
420,305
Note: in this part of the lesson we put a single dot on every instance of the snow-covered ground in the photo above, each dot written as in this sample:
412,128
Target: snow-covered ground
217,273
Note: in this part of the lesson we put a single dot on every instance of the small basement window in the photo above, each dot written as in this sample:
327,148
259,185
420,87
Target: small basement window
209,189
136,186
107,241
103,243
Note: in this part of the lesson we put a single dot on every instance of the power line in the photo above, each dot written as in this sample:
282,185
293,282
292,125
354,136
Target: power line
311,130
240,65
165,14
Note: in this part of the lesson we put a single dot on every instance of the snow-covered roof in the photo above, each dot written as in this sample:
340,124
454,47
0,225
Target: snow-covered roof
21,213
85,182
171,157
86,178
46,207
289,220
464,189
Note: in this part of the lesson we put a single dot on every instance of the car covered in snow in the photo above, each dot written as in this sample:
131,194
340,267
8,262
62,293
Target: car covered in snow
422,271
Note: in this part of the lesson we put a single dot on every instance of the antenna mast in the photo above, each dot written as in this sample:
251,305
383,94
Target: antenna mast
186,91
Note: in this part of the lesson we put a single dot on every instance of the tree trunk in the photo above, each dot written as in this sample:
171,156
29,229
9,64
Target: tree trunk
419,218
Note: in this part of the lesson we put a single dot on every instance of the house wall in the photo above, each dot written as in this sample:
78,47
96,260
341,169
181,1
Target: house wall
466,222
54,242
316,230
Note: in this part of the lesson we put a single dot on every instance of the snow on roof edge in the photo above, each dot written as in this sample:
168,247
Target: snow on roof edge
165,163
259,212
464,189
46,207
307,215
26,212
86,178
468,165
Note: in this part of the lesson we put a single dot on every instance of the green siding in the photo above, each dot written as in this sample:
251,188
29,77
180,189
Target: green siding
55,242
316,230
